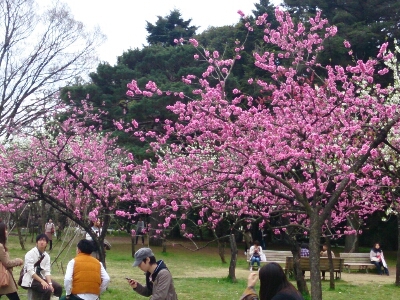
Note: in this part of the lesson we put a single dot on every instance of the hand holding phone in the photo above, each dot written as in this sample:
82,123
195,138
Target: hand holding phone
131,282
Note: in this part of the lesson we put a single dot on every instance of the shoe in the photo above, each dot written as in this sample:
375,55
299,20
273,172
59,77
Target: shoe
251,268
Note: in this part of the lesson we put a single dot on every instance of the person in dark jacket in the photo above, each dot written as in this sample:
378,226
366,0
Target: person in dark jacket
159,283
273,285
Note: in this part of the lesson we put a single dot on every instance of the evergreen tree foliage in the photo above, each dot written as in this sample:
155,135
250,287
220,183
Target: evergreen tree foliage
168,28
107,89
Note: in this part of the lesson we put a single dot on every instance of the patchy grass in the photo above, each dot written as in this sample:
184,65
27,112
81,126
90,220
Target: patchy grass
197,274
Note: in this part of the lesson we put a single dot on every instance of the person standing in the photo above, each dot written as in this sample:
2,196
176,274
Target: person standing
96,228
49,230
377,258
11,289
139,230
159,283
37,267
85,277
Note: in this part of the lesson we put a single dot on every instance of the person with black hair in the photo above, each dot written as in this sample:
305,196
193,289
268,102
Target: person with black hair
274,285
159,283
85,277
37,270
377,258
11,289
256,255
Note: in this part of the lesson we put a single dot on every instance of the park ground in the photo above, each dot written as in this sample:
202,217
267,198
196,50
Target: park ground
196,270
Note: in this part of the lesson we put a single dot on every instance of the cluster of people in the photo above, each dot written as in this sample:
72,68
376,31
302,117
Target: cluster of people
86,277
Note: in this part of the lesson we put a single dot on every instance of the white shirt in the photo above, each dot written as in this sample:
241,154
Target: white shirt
105,279
96,230
31,257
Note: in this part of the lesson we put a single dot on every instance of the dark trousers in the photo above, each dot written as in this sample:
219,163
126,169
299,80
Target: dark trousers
46,293
12,296
379,266
137,237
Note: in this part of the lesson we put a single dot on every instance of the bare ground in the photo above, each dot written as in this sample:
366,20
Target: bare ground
356,278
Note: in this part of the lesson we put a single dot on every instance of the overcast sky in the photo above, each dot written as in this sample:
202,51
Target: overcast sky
124,21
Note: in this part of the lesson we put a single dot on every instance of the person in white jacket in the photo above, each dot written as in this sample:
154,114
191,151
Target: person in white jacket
256,255
377,258
37,267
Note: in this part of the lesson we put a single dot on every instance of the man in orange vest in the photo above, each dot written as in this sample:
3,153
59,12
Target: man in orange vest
85,277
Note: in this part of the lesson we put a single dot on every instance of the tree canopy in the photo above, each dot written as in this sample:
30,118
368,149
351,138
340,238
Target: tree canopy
169,28
302,152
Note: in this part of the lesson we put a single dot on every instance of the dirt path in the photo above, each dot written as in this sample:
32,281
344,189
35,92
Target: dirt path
356,278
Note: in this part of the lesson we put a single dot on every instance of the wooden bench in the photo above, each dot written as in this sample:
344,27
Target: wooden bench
338,265
273,256
360,261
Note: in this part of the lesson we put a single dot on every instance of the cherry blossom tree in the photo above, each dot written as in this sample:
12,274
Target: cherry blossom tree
297,152
70,166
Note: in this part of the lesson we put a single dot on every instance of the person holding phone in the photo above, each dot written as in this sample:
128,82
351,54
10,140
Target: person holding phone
159,283
85,277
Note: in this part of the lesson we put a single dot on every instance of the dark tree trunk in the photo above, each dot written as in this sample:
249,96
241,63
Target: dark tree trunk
331,273
21,239
221,251
298,272
232,265
19,232
315,234
221,247
351,241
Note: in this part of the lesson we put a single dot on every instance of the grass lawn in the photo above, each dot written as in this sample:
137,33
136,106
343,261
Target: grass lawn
197,274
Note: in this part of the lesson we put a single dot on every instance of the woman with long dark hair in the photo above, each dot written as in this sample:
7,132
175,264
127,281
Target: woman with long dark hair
377,258
11,289
273,285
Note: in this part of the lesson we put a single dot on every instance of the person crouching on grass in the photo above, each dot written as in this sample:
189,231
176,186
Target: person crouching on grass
37,266
159,283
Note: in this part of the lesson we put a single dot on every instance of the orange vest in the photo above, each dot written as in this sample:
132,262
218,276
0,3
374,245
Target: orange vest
87,275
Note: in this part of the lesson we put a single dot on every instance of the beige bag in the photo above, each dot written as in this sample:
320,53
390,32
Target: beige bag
4,276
